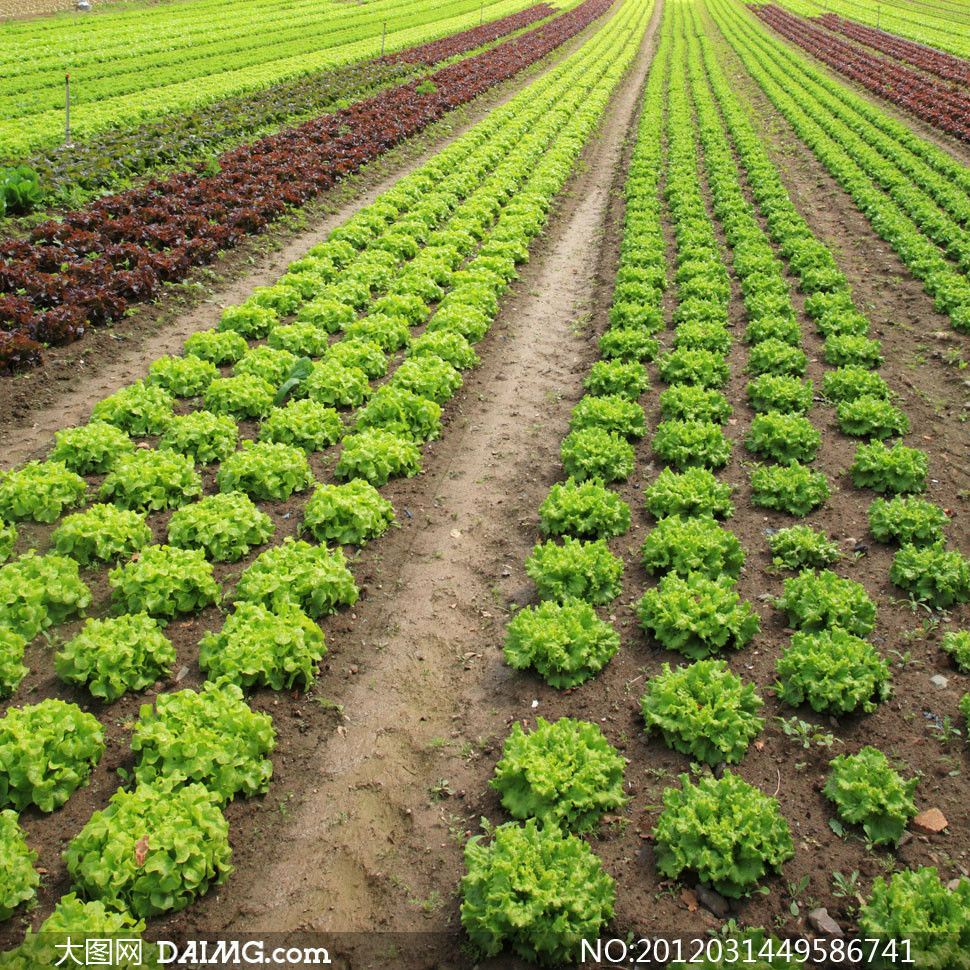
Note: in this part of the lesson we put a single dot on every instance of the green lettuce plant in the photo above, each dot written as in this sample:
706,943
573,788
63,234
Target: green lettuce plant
703,710
793,488
868,791
628,344
353,513
785,438
452,347
242,396
306,424
596,453
785,329
576,569
535,890
265,470
8,539
400,412
894,470
822,600
327,314
691,444
301,339
389,332
871,417
249,320
907,520
851,382
564,773
164,581
272,366
697,616
151,480
211,737
584,510
276,648
376,455
217,347
18,877
47,750
202,436
691,402
707,335
566,643
115,655
360,354
152,850
780,393
224,526
41,491
774,356
182,376
101,533
139,409
691,545
956,643
92,448
611,413
12,669
726,831
850,348
832,671
428,377
695,491
39,591
626,378
916,906
313,578
686,365
800,547
932,574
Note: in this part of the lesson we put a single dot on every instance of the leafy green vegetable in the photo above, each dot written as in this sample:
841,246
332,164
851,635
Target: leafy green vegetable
774,356
726,831
852,382
139,409
211,737
776,392
692,545
92,448
933,574
351,513
18,877
152,850
822,600
8,539
691,402
596,453
906,520
306,424
871,417
47,751
224,526
703,710
302,339
697,616
611,413
242,396
956,643
202,436
38,591
566,642
914,905
265,470
565,773
867,791
583,510
249,320
364,355
115,655
687,365
268,364
833,671
150,480
628,344
889,470
41,490
12,670
164,581
793,488
183,376
800,546
327,314
786,438
400,412
376,455
218,347
313,578
626,378
452,347
536,890
575,569
102,533
332,383
691,444
428,377
694,491
850,348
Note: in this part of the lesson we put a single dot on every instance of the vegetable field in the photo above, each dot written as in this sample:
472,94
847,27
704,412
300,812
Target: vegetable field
486,485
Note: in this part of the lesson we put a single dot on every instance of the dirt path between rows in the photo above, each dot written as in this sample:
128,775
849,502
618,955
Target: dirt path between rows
36,403
376,842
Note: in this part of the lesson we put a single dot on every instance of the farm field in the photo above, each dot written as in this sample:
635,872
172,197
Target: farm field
525,504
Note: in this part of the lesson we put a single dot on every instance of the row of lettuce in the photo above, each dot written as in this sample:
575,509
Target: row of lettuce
450,234
562,777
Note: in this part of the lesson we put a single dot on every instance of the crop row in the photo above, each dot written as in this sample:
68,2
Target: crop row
936,103
172,88
87,268
907,190
940,63
479,203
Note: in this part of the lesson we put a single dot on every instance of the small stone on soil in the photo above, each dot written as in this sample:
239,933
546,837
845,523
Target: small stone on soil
932,821
823,923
